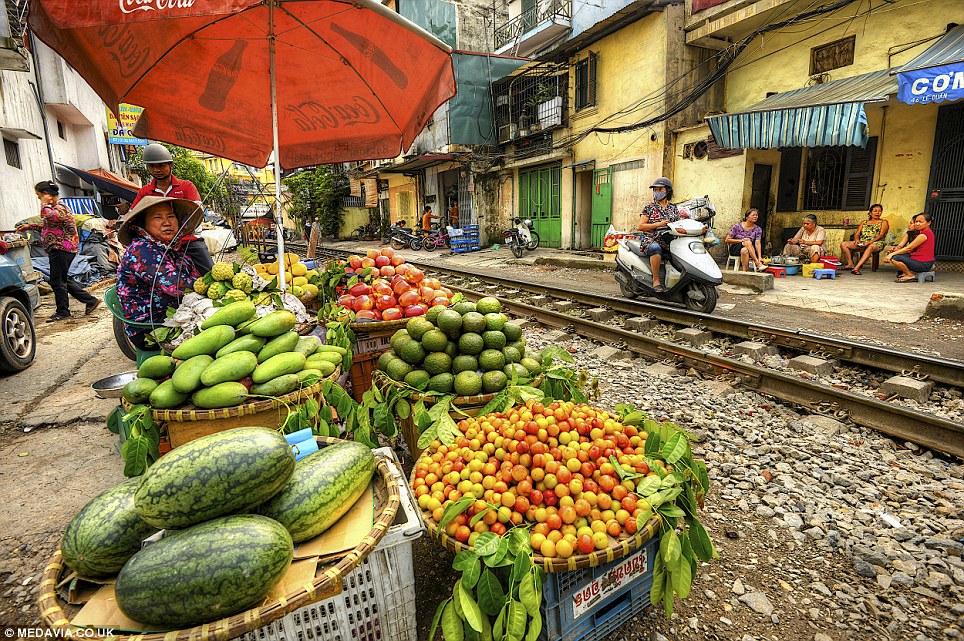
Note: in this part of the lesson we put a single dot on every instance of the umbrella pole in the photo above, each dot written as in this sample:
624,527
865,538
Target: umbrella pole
274,136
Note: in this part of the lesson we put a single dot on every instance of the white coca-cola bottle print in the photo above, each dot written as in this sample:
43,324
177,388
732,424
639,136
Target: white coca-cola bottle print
222,77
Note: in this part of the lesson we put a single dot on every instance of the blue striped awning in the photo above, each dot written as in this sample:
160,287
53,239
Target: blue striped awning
831,114
81,205
935,75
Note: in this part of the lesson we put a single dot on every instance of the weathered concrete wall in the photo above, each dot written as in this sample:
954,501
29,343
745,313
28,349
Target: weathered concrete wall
354,217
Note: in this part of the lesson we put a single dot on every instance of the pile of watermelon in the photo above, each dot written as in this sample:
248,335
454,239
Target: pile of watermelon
387,288
237,355
238,502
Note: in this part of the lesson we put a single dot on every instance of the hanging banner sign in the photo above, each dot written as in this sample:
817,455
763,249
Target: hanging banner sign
934,84
120,128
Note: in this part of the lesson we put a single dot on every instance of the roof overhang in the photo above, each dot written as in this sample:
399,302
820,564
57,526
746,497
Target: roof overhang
830,114
417,163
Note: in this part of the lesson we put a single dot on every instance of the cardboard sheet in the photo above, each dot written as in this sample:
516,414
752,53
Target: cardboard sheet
344,535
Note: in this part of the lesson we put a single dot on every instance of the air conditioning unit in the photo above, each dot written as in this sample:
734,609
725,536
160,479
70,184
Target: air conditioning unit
508,132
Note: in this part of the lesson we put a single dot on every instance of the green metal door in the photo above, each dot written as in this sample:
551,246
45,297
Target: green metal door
602,205
539,190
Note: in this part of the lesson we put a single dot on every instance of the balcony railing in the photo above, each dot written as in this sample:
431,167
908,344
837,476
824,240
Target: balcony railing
544,11
531,102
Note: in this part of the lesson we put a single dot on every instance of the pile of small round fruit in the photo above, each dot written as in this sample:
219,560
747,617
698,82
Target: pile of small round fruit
545,465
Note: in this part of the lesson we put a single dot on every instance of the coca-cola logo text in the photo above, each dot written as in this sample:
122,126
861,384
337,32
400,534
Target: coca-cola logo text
124,48
191,137
130,6
312,116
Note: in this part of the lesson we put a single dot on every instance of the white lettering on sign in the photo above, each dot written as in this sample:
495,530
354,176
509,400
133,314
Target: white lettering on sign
599,589
919,86
940,84
130,6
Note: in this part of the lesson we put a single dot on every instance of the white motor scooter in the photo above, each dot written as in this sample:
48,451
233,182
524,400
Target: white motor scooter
689,272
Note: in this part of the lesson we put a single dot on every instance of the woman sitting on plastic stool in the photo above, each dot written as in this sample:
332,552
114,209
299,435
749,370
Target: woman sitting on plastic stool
917,256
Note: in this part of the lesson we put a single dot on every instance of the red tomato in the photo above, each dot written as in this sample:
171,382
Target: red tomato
414,275
372,253
387,271
347,301
360,289
415,310
354,261
441,301
392,313
363,303
384,302
388,251
409,297
366,313
382,261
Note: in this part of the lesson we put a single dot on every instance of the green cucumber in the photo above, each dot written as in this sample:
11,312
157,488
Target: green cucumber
218,474
278,345
156,367
327,368
287,363
232,314
247,343
277,386
166,397
333,348
232,367
207,342
322,489
307,345
274,324
139,390
226,394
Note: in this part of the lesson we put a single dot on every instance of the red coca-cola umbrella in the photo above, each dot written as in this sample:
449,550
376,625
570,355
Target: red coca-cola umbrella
312,81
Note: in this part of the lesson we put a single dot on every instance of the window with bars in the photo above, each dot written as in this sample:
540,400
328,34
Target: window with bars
586,81
11,149
839,177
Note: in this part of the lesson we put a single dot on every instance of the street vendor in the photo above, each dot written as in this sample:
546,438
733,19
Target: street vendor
160,164
156,267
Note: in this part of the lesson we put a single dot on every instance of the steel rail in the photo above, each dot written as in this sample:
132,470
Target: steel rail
895,420
941,370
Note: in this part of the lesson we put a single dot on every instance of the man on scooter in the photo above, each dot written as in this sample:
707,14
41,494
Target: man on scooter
656,215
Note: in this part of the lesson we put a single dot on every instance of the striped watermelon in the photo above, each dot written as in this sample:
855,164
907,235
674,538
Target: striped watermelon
204,573
322,488
231,471
105,533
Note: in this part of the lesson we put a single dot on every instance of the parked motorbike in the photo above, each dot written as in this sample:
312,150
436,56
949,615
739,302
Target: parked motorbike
387,237
689,272
521,236
402,237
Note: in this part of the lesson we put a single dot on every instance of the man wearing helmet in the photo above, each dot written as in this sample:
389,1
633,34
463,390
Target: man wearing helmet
160,164
657,215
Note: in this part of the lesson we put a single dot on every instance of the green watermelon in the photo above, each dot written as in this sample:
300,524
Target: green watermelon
322,489
207,572
231,471
105,533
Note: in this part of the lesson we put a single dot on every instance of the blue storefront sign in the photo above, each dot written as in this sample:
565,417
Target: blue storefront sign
934,84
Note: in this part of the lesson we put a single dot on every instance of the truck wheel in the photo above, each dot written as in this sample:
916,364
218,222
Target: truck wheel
19,341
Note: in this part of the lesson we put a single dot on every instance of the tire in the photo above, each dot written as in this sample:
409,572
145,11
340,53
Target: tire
625,291
428,244
125,344
415,244
708,304
534,243
386,240
18,342
398,243
516,249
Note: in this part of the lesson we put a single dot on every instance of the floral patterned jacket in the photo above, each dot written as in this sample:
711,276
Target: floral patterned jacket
59,231
152,277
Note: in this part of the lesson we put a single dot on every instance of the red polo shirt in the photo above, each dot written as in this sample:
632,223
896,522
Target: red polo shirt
178,189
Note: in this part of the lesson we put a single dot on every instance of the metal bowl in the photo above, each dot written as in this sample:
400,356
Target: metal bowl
113,386
776,260
791,260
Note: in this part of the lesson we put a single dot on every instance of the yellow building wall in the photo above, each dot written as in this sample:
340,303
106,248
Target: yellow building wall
782,61
403,200
353,219
622,79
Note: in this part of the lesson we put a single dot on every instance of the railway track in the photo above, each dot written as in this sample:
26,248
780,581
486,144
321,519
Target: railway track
893,419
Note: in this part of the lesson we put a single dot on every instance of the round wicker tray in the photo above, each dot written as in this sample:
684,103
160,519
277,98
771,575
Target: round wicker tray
387,501
381,326
617,549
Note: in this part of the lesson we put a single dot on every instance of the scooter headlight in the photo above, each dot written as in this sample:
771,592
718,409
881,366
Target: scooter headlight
528,223
697,247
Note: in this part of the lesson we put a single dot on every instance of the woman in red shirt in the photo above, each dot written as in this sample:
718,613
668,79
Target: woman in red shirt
918,255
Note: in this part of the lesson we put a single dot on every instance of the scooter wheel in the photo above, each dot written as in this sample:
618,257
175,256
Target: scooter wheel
516,250
626,292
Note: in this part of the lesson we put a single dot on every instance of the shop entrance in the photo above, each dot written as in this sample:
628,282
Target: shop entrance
539,189
945,193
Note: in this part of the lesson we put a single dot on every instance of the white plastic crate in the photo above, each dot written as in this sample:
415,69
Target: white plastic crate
377,602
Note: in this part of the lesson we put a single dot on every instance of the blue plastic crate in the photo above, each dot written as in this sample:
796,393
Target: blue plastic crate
592,603
471,228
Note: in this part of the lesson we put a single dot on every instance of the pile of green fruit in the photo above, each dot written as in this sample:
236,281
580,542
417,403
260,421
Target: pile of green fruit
236,356
468,349
233,504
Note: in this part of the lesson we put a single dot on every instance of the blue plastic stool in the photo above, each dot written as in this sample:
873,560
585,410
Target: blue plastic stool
828,273
923,276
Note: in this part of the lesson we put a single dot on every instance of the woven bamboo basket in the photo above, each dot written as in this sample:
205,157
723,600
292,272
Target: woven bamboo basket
185,425
617,549
327,578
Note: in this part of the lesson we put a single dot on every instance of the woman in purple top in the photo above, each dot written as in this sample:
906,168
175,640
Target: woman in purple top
744,241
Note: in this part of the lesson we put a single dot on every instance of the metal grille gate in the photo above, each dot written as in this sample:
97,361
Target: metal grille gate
946,188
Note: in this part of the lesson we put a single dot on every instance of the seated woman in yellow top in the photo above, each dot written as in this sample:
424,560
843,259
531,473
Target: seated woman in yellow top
809,240
870,239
